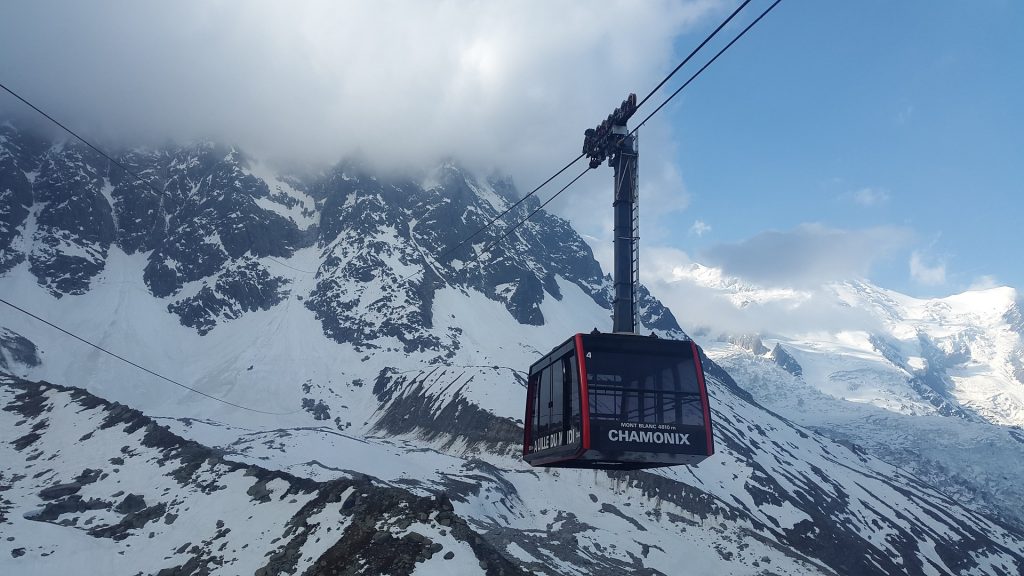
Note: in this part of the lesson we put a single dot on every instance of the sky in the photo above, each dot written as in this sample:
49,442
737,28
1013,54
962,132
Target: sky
895,124
878,139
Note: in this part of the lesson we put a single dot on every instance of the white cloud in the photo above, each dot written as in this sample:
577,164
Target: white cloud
985,282
700,228
705,298
869,197
662,263
925,273
506,85
496,86
808,255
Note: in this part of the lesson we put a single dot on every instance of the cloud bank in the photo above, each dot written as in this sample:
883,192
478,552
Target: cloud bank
509,85
924,273
710,304
776,282
808,255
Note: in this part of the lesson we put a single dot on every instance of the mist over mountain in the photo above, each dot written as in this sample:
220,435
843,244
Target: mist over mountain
382,386
405,84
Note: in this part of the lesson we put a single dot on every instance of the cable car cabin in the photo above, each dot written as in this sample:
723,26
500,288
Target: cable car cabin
618,401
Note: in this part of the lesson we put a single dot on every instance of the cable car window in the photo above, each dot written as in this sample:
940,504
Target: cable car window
604,403
535,417
670,409
574,390
557,376
535,405
693,413
544,403
688,377
649,389
668,380
572,399
649,407
556,419
629,407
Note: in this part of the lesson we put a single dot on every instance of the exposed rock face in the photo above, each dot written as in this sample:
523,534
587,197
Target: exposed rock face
1015,318
785,361
751,342
244,286
74,223
412,406
211,229
16,349
213,217
931,383
15,191
197,215
188,507
376,236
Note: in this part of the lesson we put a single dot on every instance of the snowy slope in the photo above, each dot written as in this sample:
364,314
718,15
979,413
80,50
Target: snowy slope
97,486
975,462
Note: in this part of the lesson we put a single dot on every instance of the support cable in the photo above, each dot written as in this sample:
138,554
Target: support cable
693,53
140,367
84,141
462,243
120,165
530,215
495,219
644,121
705,66
577,159
566,167
535,190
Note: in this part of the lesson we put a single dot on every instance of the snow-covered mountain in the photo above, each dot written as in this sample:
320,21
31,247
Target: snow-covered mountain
961,355
933,385
385,387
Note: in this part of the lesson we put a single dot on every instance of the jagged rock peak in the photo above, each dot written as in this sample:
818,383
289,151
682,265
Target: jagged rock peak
17,350
750,342
785,360
215,225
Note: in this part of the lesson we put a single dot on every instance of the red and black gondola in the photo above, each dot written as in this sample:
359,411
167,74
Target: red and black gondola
617,401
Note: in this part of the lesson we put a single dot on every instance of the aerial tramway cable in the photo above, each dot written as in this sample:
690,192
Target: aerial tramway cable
96,346
127,170
465,240
140,367
649,116
531,214
693,53
705,66
515,204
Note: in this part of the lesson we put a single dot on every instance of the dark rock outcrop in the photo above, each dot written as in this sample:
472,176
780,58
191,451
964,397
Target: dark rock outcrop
785,361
